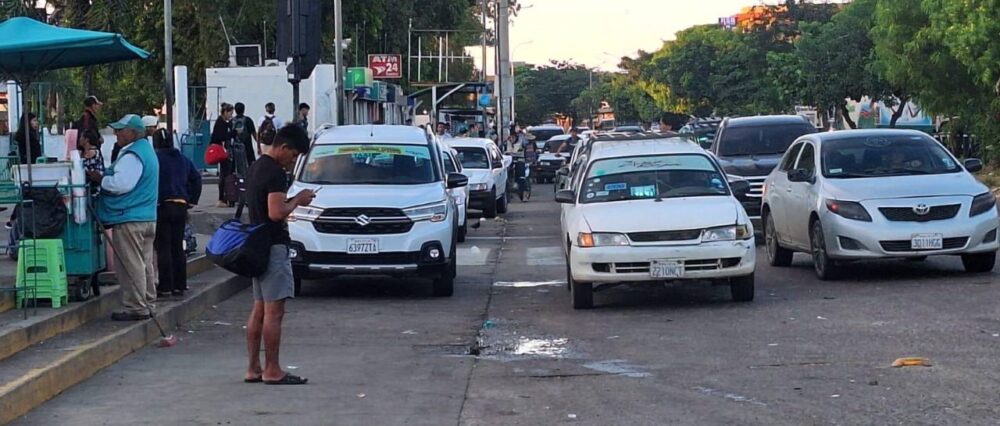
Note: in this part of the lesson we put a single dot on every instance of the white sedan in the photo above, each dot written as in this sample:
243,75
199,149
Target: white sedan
487,170
655,210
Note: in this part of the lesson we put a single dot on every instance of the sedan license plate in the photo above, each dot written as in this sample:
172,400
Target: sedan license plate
666,269
362,246
927,242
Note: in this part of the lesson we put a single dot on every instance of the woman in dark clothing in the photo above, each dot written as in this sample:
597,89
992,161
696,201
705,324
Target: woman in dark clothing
223,134
22,145
180,189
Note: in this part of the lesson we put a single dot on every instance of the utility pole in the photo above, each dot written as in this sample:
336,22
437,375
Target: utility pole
168,62
482,78
504,70
338,49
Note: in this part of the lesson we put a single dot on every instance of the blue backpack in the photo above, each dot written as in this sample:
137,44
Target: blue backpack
236,247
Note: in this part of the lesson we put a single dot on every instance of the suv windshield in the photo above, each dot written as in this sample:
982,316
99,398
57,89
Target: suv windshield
885,156
368,164
473,158
543,134
660,176
760,140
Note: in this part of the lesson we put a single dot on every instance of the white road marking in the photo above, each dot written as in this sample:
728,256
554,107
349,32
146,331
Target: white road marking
473,256
545,256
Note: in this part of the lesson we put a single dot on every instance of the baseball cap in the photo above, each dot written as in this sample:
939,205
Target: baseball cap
91,101
150,121
129,121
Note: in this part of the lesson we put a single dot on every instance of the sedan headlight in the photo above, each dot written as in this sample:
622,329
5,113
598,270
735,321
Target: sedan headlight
726,233
734,178
305,213
601,239
982,204
435,212
479,187
848,209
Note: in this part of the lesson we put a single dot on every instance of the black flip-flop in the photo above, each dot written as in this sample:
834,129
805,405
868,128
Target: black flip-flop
289,379
257,379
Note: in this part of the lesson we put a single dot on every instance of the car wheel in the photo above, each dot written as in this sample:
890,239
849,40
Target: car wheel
444,286
742,288
490,210
298,286
582,293
980,262
463,230
502,204
826,268
776,254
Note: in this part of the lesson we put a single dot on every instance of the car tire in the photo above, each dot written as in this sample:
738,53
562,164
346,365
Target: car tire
582,293
298,286
742,288
463,230
979,262
490,209
826,268
502,204
776,254
444,285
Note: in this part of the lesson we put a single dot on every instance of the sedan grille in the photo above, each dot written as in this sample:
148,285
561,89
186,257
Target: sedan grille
692,265
905,245
906,214
658,236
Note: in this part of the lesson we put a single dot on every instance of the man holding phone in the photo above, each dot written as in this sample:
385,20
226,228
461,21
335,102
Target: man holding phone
266,193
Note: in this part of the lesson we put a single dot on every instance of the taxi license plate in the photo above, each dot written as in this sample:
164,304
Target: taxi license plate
927,242
666,269
362,246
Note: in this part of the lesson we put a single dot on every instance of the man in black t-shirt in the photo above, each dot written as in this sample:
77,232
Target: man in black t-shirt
267,201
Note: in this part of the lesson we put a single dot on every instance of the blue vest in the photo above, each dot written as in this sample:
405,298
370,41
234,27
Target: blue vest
139,204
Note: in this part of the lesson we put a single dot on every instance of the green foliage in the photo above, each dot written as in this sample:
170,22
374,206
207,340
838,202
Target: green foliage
545,90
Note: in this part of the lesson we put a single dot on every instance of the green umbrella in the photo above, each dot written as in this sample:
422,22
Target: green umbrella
29,48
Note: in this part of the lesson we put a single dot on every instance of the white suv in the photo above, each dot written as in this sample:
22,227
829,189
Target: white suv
383,207
486,169
654,209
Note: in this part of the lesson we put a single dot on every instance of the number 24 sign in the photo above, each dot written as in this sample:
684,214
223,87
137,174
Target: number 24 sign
385,66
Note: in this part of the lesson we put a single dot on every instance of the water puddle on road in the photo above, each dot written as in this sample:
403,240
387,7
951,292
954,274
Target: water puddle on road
618,367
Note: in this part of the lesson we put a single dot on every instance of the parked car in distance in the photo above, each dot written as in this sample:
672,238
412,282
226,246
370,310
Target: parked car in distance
487,170
873,194
749,148
544,132
382,207
654,209
461,195
544,170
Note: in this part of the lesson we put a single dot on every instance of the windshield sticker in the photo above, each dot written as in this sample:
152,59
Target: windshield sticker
361,150
877,142
948,163
644,191
603,193
652,164
616,186
590,195
836,171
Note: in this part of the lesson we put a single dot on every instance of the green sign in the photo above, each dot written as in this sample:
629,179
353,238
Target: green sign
358,77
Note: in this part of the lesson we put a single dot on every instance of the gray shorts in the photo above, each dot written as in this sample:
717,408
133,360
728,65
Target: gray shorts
277,283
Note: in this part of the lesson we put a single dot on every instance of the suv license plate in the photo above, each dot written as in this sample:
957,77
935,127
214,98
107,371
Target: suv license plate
927,242
666,269
362,246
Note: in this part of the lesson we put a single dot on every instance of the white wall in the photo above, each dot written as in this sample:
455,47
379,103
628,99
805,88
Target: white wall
256,86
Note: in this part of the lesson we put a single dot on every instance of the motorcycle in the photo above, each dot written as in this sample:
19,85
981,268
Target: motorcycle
522,178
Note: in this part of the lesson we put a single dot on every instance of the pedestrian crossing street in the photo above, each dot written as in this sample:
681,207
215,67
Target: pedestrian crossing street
470,254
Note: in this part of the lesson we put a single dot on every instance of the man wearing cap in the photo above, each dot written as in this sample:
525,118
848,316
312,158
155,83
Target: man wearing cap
149,122
127,205
88,121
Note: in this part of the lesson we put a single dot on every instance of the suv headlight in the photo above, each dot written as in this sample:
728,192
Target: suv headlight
726,233
982,204
848,209
435,212
601,239
479,187
734,178
305,213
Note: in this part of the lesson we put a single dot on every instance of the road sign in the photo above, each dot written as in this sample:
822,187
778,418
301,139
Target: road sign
386,66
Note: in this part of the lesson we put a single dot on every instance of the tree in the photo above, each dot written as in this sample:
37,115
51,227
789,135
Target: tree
545,90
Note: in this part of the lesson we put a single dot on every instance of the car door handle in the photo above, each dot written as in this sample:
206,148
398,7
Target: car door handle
788,189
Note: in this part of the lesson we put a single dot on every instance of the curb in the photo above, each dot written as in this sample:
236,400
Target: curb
39,385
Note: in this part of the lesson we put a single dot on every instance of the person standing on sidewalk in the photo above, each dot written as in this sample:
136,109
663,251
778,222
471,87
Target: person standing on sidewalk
127,204
223,134
88,120
269,125
179,190
268,202
302,119
245,131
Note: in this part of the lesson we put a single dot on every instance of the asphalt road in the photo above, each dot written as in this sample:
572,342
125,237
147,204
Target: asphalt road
508,349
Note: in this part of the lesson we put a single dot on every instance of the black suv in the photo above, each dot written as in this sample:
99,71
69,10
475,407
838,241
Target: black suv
748,148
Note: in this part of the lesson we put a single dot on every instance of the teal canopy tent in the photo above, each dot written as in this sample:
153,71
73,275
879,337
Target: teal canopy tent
29,48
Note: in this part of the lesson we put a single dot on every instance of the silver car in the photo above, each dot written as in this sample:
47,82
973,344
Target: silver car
872,194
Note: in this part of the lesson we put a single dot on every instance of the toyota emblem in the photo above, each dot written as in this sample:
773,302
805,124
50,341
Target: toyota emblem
921,209
363,220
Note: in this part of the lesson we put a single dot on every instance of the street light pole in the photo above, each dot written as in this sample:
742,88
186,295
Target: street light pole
168,63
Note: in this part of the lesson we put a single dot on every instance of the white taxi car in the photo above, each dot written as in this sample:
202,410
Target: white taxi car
655,209
486,169
461,195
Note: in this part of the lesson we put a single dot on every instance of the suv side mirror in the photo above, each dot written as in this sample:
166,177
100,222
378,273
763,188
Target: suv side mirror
800,175
457,180
741,189
973,165
565,197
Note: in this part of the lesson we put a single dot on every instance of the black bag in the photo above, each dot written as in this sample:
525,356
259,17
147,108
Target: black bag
237,247
267,131
44,216
231,188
